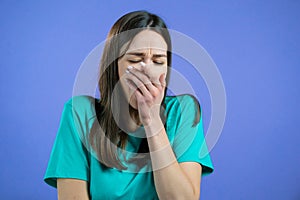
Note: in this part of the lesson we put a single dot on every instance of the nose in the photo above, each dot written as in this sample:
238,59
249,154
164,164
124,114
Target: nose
147,60
139,66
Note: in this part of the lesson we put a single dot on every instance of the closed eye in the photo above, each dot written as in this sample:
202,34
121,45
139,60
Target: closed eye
134,61
159,62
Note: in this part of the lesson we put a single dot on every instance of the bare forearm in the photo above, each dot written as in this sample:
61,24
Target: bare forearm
170,180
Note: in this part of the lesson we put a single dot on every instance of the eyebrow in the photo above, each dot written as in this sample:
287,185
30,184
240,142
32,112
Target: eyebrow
143,54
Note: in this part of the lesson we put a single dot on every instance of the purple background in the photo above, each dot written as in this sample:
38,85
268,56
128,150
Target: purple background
255,45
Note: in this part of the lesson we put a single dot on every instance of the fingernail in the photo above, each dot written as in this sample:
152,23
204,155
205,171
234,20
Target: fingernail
129,67
143,64
127,71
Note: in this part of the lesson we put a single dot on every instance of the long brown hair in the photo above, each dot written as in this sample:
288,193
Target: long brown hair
105,136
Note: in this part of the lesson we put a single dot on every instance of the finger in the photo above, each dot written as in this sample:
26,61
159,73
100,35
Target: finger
131,84
139,74
139,96
161,83
135,83
143,108
143,64
143,78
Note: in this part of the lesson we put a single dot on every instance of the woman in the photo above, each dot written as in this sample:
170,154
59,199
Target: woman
135,142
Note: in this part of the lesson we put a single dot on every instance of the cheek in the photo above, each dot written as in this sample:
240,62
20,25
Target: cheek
122,65
155,72
121,71
165,69
129,96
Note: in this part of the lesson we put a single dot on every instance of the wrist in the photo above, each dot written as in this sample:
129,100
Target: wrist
154,127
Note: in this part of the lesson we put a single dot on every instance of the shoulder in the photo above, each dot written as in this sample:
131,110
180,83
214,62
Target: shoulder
82,100
183,101
183,106
81,106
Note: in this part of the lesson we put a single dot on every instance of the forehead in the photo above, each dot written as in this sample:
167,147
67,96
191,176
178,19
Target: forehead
146,40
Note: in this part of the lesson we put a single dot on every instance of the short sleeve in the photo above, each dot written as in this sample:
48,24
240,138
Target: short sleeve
69,157
189,142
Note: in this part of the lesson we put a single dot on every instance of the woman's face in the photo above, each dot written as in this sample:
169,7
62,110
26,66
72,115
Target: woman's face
150,48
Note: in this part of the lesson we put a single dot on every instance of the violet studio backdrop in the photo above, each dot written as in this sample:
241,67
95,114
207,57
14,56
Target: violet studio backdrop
255,45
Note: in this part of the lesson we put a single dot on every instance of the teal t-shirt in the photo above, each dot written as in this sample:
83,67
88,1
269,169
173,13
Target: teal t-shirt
72,157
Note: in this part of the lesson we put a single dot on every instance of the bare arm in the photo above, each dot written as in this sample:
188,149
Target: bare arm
68,189
173,180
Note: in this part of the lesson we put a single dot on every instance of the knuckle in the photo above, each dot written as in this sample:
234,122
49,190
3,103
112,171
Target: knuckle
156,93
149,98
145,79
